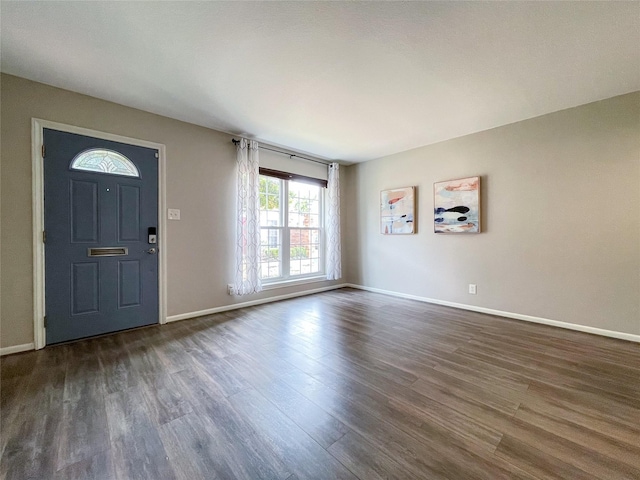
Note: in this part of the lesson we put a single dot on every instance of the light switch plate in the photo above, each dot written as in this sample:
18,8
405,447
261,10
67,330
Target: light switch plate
174,214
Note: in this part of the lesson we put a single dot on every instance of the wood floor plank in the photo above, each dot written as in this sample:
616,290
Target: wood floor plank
587,417
84,373
469,432
83,430
450,386
318,424
31,426
554,446
163,399
115,364
223,375
13,366
171,347
626,414
240,450
39,385
531,459
299,451
343,384
618,450
97,467
396,357
136,446
428,455
366,460
198,449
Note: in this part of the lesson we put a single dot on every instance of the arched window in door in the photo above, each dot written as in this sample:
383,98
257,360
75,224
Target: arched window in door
100,160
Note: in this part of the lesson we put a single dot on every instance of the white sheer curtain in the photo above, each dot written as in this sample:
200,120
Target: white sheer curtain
334,249
248,219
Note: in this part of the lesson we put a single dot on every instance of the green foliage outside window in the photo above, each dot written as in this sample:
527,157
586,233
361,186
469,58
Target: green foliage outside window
269,194
301,205
298,253
272,254
270,197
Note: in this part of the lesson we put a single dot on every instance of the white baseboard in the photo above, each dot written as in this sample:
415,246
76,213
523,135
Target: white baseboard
250,303
517,316
184,316
16,349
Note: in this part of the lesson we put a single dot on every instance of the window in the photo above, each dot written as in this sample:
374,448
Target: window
104,161
291,229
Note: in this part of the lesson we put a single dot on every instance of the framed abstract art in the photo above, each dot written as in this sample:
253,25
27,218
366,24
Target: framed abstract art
397,211
457,206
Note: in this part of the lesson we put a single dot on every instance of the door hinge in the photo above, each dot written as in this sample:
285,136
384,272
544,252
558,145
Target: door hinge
43,150
44,236
45,321
157,156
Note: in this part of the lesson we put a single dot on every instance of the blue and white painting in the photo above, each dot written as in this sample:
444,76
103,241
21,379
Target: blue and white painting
457,206
397,211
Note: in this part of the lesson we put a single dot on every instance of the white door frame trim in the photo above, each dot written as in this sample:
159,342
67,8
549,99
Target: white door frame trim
37,189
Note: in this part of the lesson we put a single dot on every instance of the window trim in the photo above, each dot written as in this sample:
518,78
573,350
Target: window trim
286,278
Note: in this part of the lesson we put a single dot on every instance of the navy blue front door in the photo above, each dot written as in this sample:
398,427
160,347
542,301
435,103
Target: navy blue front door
101,200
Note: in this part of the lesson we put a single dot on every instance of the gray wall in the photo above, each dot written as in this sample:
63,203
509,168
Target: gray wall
200,182
561,206
561,219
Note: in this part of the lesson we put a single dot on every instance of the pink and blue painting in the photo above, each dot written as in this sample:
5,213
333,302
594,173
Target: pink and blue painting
397,211
457,206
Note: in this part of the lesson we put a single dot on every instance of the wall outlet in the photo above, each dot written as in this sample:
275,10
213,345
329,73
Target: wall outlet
173,214
231,289
472,288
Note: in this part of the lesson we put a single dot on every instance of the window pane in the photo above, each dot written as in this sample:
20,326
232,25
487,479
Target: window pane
296,220
301,212
314,221
273,219
270,253
294,268
273,202
304,251
314,251
104,161
270,190
304,205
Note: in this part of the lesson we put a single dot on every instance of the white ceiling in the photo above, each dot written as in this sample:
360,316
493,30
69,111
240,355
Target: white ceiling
341,80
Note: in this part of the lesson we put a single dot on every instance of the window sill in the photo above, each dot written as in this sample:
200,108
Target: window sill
293,283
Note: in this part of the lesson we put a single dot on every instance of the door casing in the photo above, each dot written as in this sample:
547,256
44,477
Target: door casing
37,174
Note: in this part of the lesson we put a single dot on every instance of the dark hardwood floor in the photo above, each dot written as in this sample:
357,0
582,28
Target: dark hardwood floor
340,385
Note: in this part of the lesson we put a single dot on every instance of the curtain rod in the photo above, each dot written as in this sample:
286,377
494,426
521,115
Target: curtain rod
290,155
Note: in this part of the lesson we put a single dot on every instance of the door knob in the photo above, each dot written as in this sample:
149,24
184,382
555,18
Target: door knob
152,251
